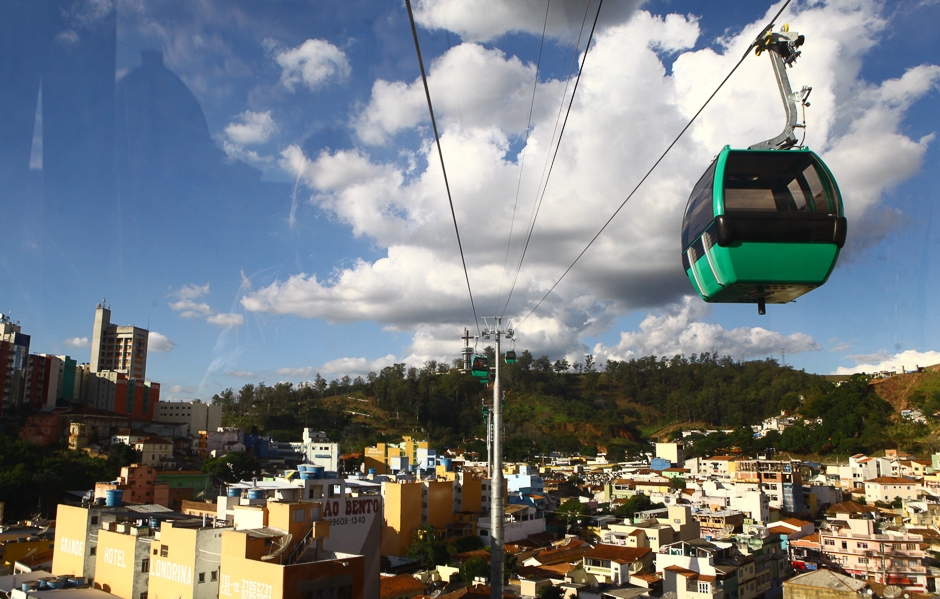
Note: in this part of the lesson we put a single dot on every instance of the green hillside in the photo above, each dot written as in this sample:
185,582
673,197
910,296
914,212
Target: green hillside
554,406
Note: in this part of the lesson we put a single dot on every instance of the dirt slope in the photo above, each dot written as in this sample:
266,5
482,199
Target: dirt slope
897,389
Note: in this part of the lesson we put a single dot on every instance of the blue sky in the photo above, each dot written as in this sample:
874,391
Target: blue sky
258,183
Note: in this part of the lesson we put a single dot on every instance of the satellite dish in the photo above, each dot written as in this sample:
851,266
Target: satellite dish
892,591
278,547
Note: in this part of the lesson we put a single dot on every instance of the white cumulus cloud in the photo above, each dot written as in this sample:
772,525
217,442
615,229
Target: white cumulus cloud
312,64
190,309
883,361
485,20
356,366
231,319
159,343
191,291
78,342
681,329
251,128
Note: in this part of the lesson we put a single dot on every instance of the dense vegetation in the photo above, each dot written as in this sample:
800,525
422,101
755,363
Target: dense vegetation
34,479
555,406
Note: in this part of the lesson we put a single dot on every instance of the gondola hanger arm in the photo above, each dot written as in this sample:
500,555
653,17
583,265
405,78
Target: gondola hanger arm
783,48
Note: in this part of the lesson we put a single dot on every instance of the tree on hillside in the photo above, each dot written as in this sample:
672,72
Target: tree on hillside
551,592
426,548
636,503
121,455
35,479
233,467
473,568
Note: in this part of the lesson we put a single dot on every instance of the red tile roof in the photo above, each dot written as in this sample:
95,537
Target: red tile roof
618,553
393,586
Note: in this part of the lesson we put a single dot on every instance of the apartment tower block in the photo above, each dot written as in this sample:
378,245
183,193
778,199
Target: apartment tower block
118,349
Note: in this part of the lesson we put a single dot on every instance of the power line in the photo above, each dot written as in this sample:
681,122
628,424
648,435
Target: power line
440,153
555,155
658,160
525,144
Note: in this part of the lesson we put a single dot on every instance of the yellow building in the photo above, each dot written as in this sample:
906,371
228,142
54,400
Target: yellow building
402,516
122,562
285,557
451,506
385,458
75,547
247,574
374,459
183,558
16,550
184,561
353,509
437,503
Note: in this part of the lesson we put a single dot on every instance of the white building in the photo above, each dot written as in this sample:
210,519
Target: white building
198,415
519,521
317,450
889,488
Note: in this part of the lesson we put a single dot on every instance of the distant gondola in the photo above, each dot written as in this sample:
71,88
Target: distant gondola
480,368
764,224
511,356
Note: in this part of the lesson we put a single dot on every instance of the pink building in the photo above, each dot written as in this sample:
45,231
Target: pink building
139,483
851,541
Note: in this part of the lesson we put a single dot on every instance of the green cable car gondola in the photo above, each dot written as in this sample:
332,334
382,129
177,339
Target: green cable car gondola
480,368
511,356
764,224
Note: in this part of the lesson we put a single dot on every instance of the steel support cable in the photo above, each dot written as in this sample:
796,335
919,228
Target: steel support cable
440,153
554,156
658,160
525,143
536,205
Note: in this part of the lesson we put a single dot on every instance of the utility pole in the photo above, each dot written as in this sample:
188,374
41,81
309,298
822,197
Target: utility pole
496,478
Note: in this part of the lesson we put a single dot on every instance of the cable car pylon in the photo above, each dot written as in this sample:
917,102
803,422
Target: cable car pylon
497,496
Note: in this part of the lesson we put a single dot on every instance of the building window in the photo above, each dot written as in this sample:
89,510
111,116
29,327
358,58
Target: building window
300,515
164,551
829,542
703,587
863,560
202,577
93,550
214,575
143,595
145,565
863,545
94,520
